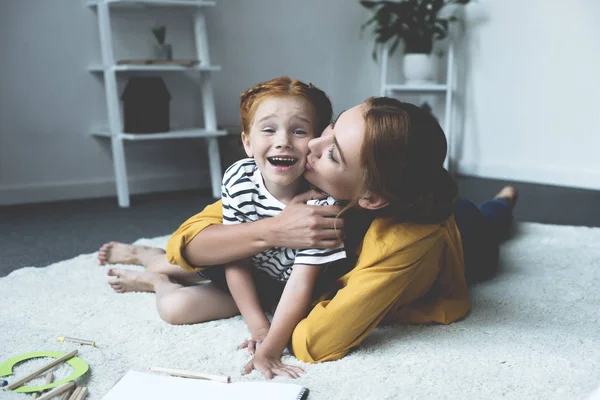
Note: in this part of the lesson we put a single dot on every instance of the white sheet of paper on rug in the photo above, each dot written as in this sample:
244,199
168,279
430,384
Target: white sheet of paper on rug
139,385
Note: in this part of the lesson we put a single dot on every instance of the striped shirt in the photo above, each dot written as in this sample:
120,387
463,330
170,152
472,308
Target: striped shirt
246,199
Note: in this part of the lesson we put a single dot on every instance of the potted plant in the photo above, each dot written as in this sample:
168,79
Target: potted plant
162,50
416,23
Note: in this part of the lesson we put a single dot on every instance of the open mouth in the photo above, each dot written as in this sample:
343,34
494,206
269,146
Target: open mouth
282,161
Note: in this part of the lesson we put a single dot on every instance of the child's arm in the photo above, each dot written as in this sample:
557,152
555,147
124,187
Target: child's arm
292,308
241,284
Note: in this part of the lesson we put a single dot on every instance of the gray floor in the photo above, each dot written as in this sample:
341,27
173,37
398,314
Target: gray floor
40,234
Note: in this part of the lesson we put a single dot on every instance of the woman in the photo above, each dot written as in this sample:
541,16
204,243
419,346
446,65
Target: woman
416,245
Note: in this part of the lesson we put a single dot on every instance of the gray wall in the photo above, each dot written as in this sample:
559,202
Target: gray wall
48,100
533,92
520,90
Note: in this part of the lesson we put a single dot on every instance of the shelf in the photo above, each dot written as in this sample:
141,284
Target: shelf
153,3
179,134
417,88
154,68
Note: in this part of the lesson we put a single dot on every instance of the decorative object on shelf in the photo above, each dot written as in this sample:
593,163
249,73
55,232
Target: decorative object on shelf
418,24
162,50
146,101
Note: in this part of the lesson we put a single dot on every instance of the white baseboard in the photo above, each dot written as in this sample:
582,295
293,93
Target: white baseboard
551,175
74,190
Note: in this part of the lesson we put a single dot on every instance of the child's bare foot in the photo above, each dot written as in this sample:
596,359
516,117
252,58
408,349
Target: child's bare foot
121,253
133,281
510,193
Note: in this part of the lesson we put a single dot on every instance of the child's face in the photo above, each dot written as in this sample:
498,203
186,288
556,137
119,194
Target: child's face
278,139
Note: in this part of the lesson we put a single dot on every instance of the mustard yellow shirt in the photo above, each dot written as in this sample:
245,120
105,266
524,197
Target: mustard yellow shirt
405,272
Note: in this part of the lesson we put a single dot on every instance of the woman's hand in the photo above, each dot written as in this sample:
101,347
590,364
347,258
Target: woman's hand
302,226
271,366
256,339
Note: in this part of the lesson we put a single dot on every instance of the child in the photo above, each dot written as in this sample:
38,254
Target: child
279,117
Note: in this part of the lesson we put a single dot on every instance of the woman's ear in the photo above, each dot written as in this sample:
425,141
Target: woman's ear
372,201
246,143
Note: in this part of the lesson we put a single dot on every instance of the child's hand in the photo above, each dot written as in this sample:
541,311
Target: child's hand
256,339
271,366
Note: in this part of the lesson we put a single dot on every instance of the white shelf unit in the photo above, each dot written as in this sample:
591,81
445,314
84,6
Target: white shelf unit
153,68
109,70
447,89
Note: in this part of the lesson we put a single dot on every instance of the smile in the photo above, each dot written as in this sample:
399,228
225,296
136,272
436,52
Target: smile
282,161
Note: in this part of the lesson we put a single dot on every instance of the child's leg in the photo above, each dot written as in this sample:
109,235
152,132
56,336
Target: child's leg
177,304
153,258
482,229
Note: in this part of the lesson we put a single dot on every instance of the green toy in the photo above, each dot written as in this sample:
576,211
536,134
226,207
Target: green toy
80,367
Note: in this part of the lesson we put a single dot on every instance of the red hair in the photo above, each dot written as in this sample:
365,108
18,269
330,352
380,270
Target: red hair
402,160
285,86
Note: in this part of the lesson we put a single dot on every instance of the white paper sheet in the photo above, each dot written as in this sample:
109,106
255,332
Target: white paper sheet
148,386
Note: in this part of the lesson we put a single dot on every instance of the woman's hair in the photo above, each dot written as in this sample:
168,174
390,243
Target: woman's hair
285,86
402,160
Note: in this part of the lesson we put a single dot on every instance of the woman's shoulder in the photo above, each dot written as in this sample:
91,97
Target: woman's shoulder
396,236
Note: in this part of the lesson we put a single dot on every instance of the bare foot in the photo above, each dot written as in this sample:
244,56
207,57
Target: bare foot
121,253
133,281
510,193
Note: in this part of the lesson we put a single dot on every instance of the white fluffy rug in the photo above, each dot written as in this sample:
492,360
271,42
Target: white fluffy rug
534,331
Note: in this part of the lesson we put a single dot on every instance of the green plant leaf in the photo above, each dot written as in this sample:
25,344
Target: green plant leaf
415,22
160,33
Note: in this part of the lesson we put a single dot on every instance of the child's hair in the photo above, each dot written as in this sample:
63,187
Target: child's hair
285,86
402,159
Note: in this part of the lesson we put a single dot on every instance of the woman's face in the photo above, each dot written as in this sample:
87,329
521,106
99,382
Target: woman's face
334,158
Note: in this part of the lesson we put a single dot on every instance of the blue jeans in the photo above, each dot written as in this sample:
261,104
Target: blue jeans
482,229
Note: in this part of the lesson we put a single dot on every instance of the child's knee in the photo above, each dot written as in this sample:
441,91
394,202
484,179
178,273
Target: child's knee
172,309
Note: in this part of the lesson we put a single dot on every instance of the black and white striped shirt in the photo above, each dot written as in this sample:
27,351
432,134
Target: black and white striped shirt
246,199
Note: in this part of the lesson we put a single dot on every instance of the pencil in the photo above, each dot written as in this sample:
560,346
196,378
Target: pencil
75,393
194,375
82,393
41,370
75,340
49,378
56,391
66,395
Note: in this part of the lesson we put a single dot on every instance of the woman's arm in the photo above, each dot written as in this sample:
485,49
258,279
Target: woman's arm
371,290
293,306
203,241
241,284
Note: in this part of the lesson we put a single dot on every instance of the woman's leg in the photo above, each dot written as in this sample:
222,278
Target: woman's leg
153,258
482,229
177,304
498,212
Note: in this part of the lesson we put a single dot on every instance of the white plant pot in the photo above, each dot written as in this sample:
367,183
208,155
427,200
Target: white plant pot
419,69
